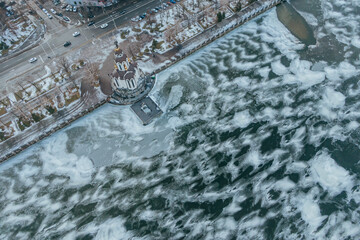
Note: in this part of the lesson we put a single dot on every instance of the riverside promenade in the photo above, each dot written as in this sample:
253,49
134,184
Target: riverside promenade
88,103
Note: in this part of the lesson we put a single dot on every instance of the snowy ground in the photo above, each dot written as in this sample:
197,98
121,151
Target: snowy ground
16,34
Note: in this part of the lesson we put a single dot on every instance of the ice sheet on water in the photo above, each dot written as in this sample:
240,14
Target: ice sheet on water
211,178
278,68
57,160
112,229
332,177
310,212
242,119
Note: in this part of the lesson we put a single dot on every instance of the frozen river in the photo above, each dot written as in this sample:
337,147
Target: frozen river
259,140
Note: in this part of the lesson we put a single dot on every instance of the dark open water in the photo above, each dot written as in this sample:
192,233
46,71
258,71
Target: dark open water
259,140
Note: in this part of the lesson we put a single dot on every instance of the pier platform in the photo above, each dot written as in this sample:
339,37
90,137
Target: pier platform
146,110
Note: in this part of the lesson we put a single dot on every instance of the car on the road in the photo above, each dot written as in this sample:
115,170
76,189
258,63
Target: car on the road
67,43
53,11
123,12
91,23
75,34
105,25
31,60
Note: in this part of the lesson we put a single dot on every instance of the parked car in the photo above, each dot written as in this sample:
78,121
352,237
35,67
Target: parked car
31,60
91,23
63,6
49,15
75,34
66,18
53,11
67,43
90,15
56,2
155,10
172,1
105,25
74,9
59,14
44,10
123,12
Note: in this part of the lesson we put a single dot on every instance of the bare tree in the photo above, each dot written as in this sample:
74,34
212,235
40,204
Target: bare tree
92,72
224,2
65,65
177,28
150,20
3,19
182,11
19,106
3,101
2,123
169,34
34,84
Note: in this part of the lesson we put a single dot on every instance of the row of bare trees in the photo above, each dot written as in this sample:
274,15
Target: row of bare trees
22,110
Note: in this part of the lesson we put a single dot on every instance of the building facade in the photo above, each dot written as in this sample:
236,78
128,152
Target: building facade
126,75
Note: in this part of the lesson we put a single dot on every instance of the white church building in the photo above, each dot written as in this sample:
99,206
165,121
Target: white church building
126,74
